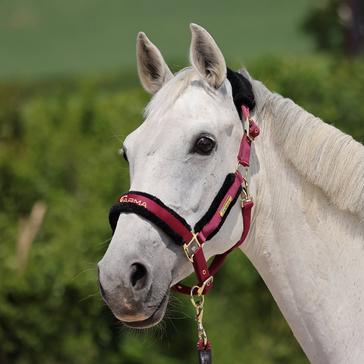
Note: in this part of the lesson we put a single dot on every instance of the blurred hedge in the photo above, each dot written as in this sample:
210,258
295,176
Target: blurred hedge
58,144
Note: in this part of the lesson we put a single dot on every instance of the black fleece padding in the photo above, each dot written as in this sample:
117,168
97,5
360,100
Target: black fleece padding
229,180
242,91
126,207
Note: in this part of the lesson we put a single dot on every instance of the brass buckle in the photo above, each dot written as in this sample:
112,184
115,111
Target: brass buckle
245,195
191,247
247,124
242,170
199,290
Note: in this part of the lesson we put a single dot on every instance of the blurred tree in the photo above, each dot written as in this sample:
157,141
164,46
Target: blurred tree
337,26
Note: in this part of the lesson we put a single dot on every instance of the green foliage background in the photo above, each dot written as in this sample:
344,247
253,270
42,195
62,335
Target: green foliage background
58,144
40,38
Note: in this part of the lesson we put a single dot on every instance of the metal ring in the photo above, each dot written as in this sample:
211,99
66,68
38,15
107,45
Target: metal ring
197,301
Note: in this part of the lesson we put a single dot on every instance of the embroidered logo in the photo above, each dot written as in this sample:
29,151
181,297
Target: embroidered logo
225,206
127,199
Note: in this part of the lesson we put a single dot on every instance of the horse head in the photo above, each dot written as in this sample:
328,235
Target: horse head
181,153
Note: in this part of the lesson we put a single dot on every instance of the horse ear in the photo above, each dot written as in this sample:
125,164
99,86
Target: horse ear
152,69
206,56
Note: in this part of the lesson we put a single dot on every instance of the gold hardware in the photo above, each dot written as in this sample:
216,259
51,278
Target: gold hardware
244,172
198,303
201,332
225,206
199,289
244,196
247,124
191,247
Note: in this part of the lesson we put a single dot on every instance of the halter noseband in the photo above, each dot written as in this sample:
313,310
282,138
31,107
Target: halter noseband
176,227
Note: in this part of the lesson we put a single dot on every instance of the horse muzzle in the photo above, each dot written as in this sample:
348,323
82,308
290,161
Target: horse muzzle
131,295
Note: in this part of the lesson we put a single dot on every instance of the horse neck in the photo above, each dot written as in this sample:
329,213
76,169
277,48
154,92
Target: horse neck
309,253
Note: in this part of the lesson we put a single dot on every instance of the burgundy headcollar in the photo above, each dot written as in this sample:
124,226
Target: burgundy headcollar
192,240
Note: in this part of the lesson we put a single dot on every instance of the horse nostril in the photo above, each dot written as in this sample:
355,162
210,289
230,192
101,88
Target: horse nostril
138,275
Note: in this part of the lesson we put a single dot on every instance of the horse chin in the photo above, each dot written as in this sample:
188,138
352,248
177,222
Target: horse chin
152,320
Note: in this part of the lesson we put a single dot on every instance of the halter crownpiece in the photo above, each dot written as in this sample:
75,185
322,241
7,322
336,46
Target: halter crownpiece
191,240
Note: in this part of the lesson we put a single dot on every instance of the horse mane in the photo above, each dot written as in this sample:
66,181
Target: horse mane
324,155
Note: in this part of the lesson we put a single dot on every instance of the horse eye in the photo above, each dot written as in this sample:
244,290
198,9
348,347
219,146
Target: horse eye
204,145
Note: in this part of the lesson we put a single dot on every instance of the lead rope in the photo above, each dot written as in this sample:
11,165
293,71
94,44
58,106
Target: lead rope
251,130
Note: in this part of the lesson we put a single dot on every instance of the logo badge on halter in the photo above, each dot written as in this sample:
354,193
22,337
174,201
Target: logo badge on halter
127,199
225,206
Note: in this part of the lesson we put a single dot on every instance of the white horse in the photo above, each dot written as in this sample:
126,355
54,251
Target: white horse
307,181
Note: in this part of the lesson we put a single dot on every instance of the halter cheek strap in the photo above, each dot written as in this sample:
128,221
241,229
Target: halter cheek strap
192,240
